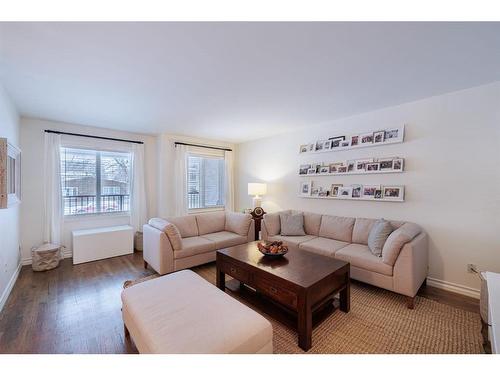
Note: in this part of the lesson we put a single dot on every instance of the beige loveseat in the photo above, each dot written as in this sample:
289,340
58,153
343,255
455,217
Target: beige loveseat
177,243
402,268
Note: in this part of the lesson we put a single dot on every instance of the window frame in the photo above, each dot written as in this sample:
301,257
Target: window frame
98,152
208,154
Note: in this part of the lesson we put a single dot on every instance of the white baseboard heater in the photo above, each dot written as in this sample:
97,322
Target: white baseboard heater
101,243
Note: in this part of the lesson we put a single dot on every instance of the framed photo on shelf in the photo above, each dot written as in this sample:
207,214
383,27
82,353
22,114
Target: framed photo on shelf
304,148
334,190
354,140
398,164
334,167
356,191
319,145
305,189
345,192
378,194
372,167
378,137
346,143
324,169
366,138
342,169
314,190
337,141
311,170
327,145
393,192
370,190
361,164
322,192
351,164
393,134
303,169
385,164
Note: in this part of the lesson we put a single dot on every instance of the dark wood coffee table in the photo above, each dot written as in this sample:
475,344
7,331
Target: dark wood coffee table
301,282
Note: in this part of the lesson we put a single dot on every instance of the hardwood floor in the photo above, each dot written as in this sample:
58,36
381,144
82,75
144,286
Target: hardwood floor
76,309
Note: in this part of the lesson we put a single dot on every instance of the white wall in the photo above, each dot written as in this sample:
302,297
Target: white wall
32,144
452,176
9,217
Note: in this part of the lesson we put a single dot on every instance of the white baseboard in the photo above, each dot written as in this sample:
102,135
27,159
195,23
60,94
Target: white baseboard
8,288
452,287
66,254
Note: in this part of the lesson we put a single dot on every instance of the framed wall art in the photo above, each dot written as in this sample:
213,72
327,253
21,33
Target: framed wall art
10,174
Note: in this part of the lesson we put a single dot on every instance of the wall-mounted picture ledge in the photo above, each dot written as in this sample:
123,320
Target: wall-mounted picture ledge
379,137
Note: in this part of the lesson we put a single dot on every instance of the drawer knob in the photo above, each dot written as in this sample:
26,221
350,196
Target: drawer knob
233,270
272,289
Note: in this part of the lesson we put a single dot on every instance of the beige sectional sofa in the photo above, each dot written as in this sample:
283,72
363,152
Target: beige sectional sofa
177,243
402,268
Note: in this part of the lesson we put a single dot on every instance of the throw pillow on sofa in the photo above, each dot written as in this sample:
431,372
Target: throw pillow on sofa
292,224
378,235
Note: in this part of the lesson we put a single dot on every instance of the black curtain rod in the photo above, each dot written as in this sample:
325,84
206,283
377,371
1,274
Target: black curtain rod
94,136
212,147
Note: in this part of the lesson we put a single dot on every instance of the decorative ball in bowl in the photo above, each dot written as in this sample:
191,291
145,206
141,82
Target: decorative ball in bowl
273,249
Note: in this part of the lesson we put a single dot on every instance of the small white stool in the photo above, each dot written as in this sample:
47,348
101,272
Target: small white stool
45,257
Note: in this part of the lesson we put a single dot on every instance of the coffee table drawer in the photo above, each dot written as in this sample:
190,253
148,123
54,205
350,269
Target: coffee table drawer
235,271
282,295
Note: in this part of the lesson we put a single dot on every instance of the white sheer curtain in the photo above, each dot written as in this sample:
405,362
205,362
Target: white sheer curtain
180,180
139,211
53,207
229,181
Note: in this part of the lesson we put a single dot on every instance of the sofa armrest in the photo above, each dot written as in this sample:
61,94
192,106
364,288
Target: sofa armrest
251,232
158,251
410,269
173,234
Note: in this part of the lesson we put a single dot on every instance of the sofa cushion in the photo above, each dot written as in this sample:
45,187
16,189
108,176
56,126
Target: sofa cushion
292,241
323,246
193,246
337,227
225,239
169,229
396,241
312,222
211,222
272,224
361,230
292,224
186,225
378,235
360,256
238,223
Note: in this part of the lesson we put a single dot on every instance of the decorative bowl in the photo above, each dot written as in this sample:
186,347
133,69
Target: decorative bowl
272,249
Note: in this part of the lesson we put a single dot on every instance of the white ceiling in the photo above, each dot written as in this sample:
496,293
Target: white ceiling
236,81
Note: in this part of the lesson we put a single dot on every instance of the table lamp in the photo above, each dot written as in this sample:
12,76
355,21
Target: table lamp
257,189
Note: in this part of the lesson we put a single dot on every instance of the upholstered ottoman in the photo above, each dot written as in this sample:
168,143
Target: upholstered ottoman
183,313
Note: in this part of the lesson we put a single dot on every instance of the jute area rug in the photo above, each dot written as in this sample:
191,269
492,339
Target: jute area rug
379,322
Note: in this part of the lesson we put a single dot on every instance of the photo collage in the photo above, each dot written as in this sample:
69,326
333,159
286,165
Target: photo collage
391,135
359,166
362,192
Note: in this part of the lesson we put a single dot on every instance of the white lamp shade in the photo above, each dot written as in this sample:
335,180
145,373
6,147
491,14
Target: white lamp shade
256,189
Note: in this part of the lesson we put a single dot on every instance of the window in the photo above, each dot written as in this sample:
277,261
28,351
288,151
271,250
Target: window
95,181
205,182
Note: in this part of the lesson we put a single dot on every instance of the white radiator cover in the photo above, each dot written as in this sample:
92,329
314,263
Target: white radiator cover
101,243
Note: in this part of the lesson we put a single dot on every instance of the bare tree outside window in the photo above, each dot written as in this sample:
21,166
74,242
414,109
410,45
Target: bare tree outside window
95,181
